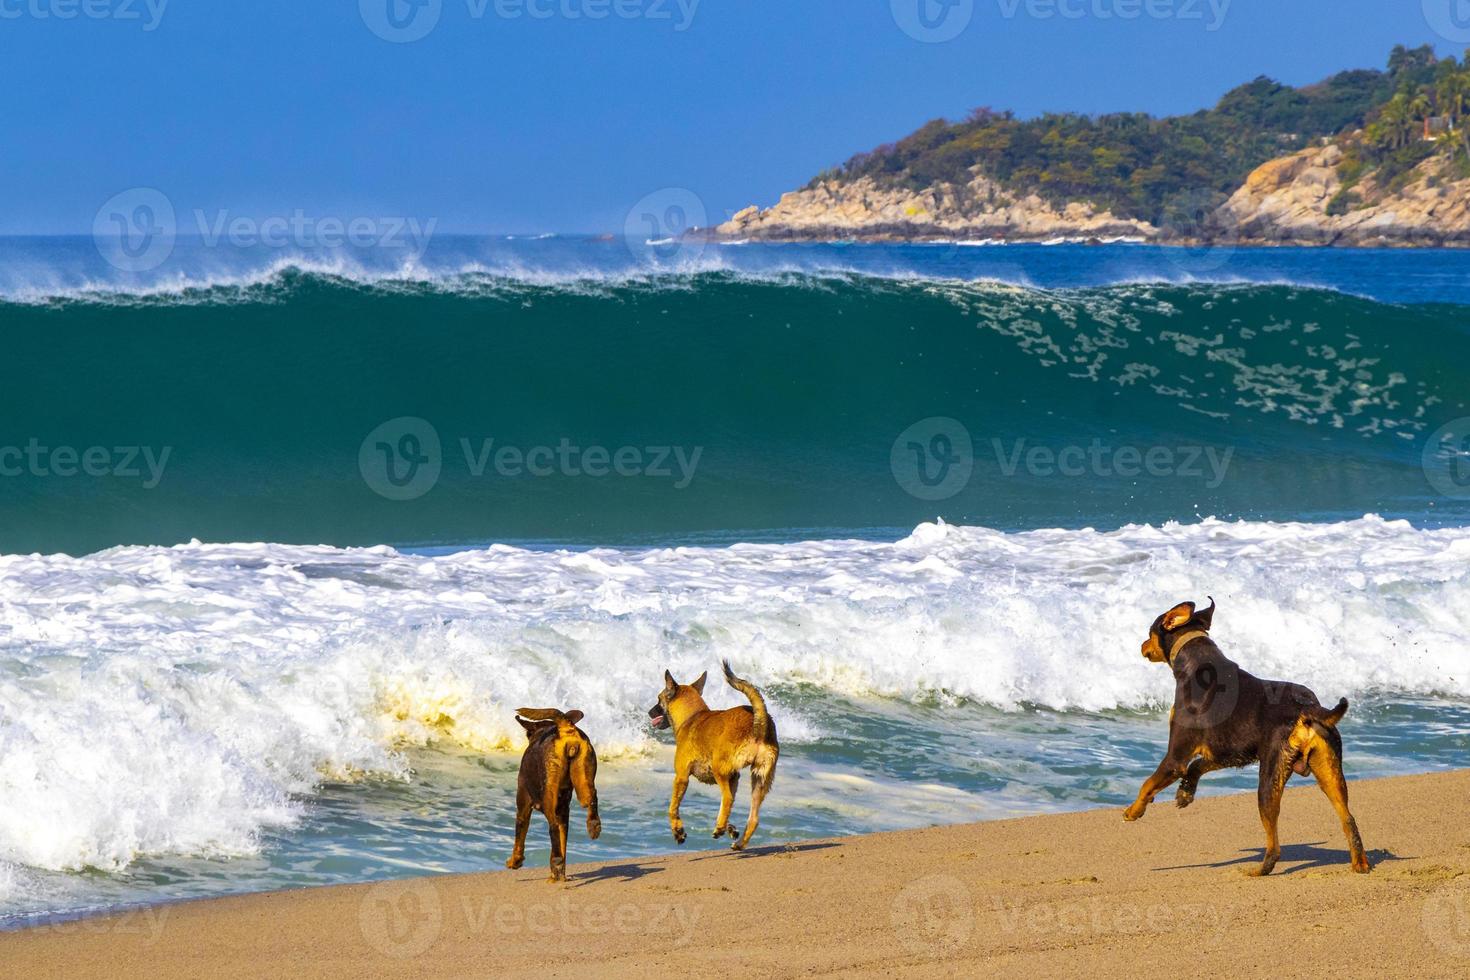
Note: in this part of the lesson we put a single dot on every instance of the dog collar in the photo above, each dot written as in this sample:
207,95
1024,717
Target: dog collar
1179,643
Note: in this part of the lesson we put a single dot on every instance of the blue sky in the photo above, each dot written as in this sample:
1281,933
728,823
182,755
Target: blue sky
497,120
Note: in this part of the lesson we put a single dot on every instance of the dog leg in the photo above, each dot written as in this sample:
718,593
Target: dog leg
681,783
760,785
523,824
1198,768
728,787
1169,770
1274,772
558,832
1327,767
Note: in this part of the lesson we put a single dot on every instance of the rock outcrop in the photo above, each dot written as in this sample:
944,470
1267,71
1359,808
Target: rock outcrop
981,209
1283,202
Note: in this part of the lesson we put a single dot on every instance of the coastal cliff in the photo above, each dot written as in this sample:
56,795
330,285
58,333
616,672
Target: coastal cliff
1366,157
978,210
1285,201
1288,201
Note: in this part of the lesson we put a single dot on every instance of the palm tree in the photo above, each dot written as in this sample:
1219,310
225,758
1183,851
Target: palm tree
1454,93
1396,120
1420,108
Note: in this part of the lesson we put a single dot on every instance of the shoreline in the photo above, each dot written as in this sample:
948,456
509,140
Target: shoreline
1049,894
839,236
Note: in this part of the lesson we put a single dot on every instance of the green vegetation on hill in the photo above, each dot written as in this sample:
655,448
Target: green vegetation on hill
1176,170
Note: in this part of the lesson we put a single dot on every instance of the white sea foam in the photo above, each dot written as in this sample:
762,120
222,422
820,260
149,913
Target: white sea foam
175,700
198,274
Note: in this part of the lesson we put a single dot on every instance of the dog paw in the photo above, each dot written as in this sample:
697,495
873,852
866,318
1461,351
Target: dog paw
739,845
719,832
1132,813
1183,800
514,862
680,836
1362,867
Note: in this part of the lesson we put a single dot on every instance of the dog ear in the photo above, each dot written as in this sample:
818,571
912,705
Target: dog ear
529,726
699,684
1206,616
539,714
1178,616
574,716
670,684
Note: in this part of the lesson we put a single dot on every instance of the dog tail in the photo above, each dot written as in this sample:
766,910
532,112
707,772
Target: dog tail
761,727
1328,718
1317,726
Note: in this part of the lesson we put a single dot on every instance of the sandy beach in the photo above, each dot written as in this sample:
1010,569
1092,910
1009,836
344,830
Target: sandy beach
1058,895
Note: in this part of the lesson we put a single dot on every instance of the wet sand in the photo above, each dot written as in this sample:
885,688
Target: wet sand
1058,895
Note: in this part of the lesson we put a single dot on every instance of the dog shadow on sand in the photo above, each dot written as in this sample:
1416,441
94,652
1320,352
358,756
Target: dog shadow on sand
767,850
631,871
1300,857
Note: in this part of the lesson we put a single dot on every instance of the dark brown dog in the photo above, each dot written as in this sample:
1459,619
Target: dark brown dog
713,746
558,760
1224,718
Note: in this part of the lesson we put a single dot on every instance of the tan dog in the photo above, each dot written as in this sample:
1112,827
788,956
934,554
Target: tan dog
713,746
560,759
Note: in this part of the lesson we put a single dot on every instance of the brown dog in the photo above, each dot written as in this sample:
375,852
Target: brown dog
1223,718
713,746
558,760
